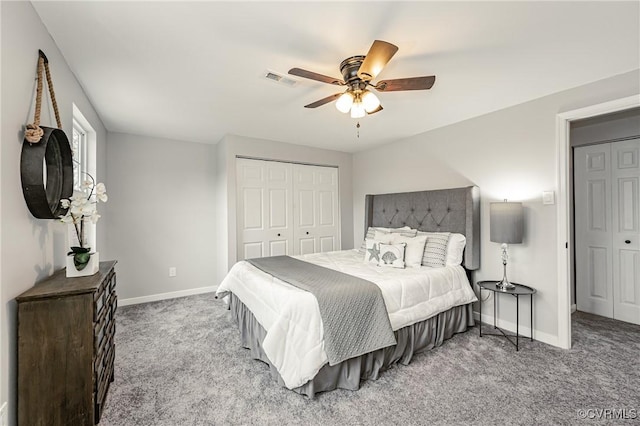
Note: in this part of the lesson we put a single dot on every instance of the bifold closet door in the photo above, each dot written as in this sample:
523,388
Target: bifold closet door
264,203
625,161
607,229
286,209
594,257
316,213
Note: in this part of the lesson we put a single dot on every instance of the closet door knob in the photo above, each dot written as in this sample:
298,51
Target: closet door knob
627,241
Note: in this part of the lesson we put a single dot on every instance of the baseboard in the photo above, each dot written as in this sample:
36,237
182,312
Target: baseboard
165,296
540,336
574,308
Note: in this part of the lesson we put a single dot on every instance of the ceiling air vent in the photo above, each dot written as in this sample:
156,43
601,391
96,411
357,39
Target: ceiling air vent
279,78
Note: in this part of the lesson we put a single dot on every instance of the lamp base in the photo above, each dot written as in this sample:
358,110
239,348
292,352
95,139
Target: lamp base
505,285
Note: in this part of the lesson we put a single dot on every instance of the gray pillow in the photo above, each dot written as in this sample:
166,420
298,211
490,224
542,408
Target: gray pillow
435,251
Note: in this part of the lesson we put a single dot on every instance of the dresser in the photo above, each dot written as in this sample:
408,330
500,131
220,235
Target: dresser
66,349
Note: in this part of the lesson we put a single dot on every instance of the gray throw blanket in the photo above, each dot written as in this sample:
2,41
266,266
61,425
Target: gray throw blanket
353,312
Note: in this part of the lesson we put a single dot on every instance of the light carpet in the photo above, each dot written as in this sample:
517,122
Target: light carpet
179,362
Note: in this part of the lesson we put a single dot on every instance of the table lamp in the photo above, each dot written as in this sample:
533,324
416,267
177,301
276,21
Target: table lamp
506,227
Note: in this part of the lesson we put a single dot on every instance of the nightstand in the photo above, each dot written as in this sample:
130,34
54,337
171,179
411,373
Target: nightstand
519,290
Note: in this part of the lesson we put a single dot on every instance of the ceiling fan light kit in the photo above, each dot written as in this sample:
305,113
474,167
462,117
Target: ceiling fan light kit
358,73
358,102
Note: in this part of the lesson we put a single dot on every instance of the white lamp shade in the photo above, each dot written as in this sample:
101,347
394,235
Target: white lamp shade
344,102
357,110
370,101
506,222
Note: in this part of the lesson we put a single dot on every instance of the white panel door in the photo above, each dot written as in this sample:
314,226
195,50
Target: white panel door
593,225
264,208
625,162
316,210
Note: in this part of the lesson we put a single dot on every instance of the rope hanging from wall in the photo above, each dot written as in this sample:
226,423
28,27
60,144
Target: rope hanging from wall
34,132
46,163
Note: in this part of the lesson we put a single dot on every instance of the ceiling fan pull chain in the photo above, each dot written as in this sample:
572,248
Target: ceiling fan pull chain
358,129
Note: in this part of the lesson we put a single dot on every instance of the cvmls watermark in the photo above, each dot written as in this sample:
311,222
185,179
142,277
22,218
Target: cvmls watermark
608,413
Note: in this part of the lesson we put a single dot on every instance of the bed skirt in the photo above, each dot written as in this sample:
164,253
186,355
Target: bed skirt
413,339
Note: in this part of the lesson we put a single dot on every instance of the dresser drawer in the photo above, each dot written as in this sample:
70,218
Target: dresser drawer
104,359
102,383
104,348
101,297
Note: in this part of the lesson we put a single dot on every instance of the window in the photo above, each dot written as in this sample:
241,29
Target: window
84,149
79,151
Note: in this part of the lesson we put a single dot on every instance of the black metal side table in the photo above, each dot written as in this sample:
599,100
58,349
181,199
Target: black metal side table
519,290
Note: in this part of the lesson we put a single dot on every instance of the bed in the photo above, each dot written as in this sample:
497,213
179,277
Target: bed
281,324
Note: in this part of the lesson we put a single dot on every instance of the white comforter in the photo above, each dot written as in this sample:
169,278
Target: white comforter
294,341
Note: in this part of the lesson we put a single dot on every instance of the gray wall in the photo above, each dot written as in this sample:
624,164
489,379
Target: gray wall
509,154
162,210
232,146
31,248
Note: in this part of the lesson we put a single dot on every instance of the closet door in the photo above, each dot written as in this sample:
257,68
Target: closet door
625,162
316,210
607,228
264,206
593,225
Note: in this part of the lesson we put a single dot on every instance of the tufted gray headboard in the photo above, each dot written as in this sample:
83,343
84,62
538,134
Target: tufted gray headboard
444,210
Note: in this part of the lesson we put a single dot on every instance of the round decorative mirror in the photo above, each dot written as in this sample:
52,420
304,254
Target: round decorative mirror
46,170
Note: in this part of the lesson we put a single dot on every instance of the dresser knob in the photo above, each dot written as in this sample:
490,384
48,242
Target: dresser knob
627,241
278,235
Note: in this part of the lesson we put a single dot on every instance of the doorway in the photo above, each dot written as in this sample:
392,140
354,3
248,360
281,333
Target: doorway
564,217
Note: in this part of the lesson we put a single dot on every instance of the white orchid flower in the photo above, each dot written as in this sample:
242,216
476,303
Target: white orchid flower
94,217
87,184
101,192
88,209
65,203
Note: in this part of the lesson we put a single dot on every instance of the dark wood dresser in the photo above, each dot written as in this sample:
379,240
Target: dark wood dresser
66,350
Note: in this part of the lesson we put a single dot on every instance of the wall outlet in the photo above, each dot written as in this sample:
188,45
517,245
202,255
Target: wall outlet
3,415
172,271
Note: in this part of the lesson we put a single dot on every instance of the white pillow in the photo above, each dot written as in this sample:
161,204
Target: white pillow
371,231
455,249
392,255
372,251
415,248
384,237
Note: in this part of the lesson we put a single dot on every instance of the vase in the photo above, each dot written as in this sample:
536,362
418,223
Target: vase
82,263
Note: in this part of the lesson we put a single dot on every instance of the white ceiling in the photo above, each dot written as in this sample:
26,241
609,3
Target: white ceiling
194,71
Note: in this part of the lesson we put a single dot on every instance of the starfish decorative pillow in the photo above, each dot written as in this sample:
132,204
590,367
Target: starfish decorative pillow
372,251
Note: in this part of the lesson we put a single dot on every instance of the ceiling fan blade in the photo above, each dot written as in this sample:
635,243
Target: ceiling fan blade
379,54
323,101
412,83
315,76
376,110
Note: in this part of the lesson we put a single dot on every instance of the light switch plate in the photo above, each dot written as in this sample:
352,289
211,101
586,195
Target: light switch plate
548,197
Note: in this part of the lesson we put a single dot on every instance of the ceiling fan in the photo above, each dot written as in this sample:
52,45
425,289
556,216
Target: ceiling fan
358,73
